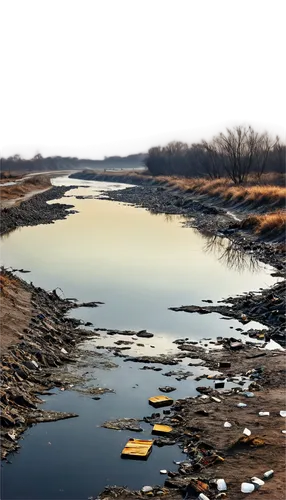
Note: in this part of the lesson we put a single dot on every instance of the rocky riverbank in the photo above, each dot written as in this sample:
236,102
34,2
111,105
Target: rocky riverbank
31,352
36,210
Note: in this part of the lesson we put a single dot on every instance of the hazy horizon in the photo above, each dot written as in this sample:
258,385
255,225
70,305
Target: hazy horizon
124,146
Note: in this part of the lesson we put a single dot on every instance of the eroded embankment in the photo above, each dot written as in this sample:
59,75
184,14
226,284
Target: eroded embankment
36,338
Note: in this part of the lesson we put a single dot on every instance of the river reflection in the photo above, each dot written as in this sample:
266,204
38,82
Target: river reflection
139,266
231,254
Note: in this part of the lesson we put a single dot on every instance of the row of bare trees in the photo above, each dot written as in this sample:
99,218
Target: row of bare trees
238,152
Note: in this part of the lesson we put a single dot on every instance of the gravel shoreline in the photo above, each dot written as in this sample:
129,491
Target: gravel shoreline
36,210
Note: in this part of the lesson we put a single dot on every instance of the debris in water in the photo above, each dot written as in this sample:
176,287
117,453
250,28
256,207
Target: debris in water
137,448
161,429
123,424
159,401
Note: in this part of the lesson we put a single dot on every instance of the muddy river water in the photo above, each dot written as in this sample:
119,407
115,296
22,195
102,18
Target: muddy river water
139,265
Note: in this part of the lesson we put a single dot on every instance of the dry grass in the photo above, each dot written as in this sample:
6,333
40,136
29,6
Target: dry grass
6,283
273,223
258,194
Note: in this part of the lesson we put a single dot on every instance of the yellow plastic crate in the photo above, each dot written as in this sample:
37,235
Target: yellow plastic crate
137,448
161,429
159,401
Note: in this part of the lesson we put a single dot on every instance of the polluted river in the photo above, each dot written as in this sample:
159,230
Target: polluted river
138,265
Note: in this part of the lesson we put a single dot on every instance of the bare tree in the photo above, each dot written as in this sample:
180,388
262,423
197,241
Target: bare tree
242,150
210,160
280,150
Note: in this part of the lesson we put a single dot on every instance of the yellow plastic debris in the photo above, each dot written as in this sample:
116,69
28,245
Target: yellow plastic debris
137,448
158,401
161,429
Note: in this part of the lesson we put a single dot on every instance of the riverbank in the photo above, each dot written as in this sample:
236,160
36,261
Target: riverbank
36,210
36,338
268,374
258,209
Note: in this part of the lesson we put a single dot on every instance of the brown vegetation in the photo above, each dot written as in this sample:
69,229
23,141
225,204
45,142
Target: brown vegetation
273,223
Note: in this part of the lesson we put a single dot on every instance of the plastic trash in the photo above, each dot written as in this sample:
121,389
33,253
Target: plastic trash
247,487
247,432
147,489
227,424
163,471
283,413
249,395
37,366
241,405
264,413
283,432
268,474
221,485
64,351
217,400
257,481
202,497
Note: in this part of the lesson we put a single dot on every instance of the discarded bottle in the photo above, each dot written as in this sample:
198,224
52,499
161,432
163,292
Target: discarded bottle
203,497
264,413
241,405
283,413
268,474
221,485
163,471
257,481
247,487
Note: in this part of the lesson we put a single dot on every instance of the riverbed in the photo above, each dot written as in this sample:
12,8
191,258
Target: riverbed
139,265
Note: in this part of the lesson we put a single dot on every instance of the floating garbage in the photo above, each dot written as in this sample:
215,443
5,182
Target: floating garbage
257,481
247,487
227,424
159,401
246,432
264,413
268,474
219,385
283,413
221,485
163,471
137,448
241,405
161,429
